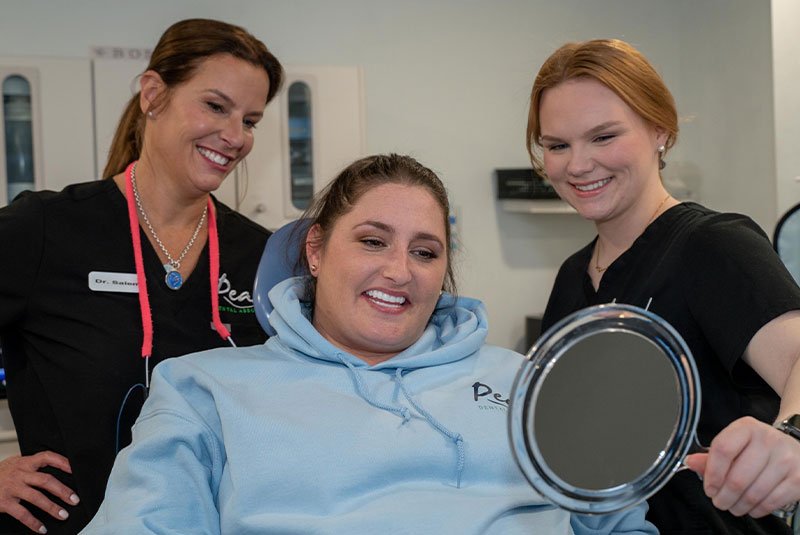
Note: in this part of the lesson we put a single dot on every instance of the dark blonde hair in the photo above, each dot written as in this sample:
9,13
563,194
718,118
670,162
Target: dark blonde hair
618,66
339,197
179,52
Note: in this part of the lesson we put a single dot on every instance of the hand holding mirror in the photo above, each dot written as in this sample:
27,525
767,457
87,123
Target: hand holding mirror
604,409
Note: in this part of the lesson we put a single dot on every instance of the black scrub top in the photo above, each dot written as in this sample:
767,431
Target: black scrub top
72,353
717,280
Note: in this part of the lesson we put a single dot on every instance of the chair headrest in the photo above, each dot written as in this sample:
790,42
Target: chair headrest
277,264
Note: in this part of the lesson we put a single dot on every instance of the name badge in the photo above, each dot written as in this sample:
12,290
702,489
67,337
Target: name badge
106,281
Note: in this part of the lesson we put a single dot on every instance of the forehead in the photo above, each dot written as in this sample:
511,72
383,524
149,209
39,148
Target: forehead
581,103
400,206
238,79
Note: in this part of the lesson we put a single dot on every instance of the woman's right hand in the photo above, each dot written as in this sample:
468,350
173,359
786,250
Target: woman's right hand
19,480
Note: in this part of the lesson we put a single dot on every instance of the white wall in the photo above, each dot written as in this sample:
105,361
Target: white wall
726,94
448,82
786,72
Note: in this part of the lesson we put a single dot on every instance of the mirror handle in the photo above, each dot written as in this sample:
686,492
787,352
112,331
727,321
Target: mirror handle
695,447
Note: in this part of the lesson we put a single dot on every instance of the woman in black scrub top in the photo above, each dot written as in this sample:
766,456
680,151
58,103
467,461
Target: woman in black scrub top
101,281
600,125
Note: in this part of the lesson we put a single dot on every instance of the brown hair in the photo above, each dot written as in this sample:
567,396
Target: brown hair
618,66
339,197
179,52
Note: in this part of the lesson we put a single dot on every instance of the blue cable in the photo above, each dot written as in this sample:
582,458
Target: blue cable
122,407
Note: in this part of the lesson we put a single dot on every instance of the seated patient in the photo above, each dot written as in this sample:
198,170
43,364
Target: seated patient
377,408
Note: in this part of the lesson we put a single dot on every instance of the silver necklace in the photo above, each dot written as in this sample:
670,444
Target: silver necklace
173,278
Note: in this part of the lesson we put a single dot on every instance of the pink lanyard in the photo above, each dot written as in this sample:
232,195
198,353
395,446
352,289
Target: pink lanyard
144,299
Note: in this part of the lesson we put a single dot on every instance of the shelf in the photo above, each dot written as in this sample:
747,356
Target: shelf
537,206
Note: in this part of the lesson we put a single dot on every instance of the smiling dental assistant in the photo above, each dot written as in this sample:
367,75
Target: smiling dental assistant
601,122
105,279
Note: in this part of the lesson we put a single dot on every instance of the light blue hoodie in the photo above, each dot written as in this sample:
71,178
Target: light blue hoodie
298,437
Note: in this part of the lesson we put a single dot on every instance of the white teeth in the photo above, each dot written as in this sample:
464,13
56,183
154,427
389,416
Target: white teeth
386,299
593,185
213,156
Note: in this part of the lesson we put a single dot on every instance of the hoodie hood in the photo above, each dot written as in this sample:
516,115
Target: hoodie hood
457,329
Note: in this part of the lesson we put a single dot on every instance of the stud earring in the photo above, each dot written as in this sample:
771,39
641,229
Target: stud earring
313,268
661,149
150,113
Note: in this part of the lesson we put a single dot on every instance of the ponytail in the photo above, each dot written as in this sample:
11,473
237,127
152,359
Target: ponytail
127,142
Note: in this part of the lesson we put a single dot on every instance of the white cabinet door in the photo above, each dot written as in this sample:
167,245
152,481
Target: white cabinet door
338,138
62,120
114,83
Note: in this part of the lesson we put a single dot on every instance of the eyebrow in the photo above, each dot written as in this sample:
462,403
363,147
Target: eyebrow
387,228
220,94
592,131
229,101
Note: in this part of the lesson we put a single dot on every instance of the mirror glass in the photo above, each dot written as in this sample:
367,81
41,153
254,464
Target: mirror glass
585,410
787,241
604,408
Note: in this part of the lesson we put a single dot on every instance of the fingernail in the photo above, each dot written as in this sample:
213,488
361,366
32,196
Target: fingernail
63,514
74,498
712,491
42,529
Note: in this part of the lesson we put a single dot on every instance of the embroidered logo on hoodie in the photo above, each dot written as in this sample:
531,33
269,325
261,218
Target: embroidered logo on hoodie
488,399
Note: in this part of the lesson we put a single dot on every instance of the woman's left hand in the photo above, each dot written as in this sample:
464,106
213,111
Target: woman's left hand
751,468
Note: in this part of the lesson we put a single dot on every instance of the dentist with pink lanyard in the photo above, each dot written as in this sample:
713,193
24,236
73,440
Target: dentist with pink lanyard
103,280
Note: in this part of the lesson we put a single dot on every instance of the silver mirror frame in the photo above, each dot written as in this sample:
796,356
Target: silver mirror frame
540,360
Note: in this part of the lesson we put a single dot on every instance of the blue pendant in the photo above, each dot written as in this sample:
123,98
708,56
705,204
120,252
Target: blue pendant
174,280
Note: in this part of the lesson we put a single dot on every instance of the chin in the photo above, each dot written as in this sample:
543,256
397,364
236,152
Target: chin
592,211
209,185
387,344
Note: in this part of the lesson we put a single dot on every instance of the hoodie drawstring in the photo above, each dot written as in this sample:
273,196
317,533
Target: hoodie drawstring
455,437
362,392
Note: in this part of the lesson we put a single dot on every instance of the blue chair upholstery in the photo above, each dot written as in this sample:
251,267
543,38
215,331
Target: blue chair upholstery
786,241
277,264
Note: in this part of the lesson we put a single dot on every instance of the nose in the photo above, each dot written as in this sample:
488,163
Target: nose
398,268
580,162
233,132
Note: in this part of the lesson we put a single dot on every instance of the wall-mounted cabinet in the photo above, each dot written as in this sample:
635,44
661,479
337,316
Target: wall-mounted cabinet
316,127
46,133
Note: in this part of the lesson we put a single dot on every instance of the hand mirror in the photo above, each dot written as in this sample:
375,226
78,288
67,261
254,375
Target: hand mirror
604,409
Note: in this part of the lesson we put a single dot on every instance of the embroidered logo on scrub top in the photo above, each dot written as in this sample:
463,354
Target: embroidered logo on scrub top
487,399
237,301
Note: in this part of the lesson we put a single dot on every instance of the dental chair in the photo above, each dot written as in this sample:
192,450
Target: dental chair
278,263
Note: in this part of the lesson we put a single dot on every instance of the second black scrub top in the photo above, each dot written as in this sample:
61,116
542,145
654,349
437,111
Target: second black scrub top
717,280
